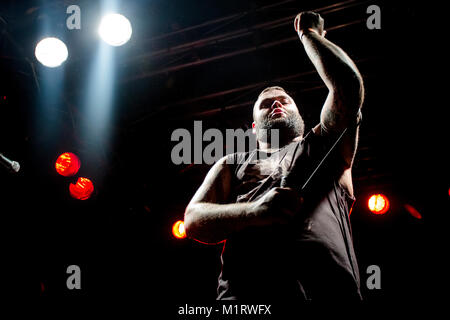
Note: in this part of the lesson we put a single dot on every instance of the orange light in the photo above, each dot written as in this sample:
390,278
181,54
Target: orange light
81,190
67,164
178,230
378,204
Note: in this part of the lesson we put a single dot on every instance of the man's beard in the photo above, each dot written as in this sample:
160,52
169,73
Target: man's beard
288,128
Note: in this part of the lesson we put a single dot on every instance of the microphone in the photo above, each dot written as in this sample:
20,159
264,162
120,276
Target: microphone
13,166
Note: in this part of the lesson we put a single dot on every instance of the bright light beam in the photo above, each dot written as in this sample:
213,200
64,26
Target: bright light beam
98,106
115,29
51,52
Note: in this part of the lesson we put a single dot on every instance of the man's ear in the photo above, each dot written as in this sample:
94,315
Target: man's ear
253,128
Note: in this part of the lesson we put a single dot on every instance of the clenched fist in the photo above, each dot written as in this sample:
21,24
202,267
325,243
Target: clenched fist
278,205
309,21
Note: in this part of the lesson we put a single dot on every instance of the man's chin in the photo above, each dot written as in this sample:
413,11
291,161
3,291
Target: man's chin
279,122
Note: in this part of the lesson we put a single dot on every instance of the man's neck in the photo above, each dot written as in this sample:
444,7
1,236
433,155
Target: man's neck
267,147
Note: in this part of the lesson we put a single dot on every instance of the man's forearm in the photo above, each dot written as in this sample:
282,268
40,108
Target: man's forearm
211,223
332,63
339,74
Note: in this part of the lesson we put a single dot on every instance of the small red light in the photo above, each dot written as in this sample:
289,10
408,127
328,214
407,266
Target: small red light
81,190
67,164
413,211
378,204
178,230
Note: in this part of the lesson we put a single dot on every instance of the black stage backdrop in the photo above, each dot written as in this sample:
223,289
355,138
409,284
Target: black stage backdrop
175,70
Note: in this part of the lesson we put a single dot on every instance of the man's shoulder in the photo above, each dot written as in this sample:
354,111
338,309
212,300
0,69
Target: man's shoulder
237,158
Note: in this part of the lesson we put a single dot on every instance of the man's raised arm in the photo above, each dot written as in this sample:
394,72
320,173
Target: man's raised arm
337,70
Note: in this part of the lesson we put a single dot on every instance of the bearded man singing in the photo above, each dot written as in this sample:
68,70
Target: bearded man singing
282,241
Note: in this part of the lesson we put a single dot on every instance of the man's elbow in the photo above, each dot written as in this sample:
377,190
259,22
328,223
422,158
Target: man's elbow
344,110
350,91
349,98
193,226
190,221
358,90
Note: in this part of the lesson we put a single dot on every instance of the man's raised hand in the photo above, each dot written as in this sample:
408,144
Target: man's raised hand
308,21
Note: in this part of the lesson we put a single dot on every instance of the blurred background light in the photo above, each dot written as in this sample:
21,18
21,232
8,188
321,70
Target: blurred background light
51,52
378,204
81,190
115,29
67,164
413,211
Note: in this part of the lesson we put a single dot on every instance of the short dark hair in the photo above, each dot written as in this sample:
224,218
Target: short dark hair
272,88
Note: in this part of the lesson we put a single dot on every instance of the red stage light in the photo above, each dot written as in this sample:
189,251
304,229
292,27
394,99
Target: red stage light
378,204
81,190
413,211
178,230
67,164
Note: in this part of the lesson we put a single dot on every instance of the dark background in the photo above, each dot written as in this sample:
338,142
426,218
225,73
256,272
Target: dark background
121,237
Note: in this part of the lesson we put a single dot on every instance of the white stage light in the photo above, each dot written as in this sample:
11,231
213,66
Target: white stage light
51,52
115,29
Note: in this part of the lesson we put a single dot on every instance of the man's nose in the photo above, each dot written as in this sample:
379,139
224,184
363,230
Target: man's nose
276,104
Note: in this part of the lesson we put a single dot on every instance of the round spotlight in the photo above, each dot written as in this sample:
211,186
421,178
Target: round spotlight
67,164
115,29
178,230
81,190
51,52
378,204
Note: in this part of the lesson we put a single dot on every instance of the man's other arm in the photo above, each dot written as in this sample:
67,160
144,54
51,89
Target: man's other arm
210,218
